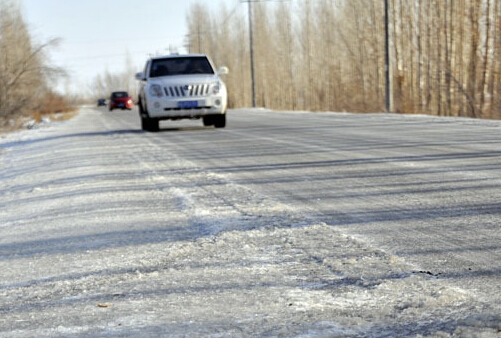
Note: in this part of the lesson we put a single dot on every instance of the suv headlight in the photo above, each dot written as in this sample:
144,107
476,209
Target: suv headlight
156,90
216,87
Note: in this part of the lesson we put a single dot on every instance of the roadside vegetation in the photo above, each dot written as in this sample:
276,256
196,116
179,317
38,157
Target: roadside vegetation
329,54
104,84
25,74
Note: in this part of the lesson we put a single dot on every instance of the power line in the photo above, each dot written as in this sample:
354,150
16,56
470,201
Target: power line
208,32
103,56
251,42
230,15
107,41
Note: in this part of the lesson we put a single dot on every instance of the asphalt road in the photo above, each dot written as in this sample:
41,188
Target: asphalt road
424,188
288,224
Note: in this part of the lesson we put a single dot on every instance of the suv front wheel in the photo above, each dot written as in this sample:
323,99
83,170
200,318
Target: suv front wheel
147,124
218,121
208,120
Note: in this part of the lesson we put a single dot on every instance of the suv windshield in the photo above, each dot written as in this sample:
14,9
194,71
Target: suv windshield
180,66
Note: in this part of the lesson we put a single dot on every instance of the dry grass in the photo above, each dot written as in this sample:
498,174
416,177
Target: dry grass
54,107
54,116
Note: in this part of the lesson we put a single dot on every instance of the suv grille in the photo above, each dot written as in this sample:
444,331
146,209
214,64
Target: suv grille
187,90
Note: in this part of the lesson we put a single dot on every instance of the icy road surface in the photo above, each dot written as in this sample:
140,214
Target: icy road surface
281,225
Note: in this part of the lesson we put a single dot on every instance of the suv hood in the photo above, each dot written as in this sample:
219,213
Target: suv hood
184,79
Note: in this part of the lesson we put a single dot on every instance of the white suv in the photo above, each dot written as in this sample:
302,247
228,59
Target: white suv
181,86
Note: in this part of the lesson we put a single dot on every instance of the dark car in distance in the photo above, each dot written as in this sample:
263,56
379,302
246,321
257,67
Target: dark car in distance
101,102
120,100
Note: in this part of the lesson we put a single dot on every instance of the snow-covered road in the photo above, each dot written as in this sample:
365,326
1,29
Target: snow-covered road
280,225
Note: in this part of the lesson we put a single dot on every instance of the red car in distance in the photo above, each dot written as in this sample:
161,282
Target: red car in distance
120,100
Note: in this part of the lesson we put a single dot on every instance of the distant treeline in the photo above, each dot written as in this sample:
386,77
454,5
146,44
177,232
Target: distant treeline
25,75
329,54
104,84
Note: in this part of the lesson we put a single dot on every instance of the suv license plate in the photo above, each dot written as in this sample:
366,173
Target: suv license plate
187,104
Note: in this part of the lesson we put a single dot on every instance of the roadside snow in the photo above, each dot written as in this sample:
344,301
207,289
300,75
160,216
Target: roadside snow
108,234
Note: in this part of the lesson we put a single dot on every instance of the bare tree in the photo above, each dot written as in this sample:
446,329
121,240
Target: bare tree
24,70
327,55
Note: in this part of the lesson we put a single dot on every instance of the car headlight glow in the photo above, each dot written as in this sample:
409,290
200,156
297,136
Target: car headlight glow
156,90
216,87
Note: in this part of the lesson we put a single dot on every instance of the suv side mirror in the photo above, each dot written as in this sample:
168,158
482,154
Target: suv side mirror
140,76
223,71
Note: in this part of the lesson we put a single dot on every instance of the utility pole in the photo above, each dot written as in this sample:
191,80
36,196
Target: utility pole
188,44
249,2
387,56
199,40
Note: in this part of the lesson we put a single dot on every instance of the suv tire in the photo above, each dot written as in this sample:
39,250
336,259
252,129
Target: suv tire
220,121
148,124
208,120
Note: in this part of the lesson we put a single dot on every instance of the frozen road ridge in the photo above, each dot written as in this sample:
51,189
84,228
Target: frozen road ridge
281,225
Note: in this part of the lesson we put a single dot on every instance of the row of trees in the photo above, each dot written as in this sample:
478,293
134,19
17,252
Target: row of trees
104,84
329,54
24,71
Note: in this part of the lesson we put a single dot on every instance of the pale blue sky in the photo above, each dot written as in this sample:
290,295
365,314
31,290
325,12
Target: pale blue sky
97,34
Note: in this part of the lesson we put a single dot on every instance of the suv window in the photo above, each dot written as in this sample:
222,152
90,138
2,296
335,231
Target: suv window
117,95
180,66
